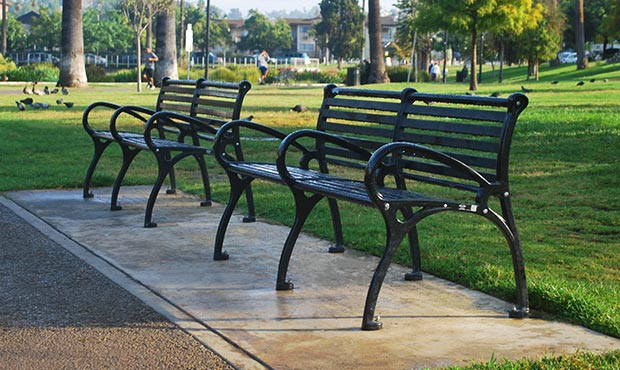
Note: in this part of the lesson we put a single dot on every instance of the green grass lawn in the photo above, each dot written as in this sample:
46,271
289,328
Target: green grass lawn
565,172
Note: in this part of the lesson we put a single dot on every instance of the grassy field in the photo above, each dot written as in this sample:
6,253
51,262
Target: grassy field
565,168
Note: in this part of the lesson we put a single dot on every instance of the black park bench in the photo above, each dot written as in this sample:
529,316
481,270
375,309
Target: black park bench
408,154
163,132
448,153
344,111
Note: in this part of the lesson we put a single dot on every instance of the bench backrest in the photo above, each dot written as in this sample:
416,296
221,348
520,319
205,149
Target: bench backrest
219,102
475,130
364,117
177,95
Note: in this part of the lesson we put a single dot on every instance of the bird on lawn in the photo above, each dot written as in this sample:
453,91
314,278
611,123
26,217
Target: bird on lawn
54,90
46,90
27,101
36,91
26,90
495,94
605,80
59,101
593,80
68,104
554,82
40,105
64,91
299,108
525,89
21,106
580,83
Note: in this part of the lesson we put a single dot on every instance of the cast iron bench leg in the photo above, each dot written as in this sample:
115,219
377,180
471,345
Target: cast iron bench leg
238,184
395,233
100,146
303,205
128,155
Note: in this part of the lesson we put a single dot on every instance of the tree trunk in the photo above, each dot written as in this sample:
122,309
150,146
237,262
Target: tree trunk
473,77
378,74
501,61
72,68
139,77
166,44
149,29
182,28
580,43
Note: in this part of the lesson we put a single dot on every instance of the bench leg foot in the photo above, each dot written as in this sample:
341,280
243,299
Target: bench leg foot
223,256
206,203
171,191
150,224
287,285
413,276
115,207
337,248
88,194
372,325
248,219
518,313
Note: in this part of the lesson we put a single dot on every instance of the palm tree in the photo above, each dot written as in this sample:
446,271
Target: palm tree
580,43
72,68
166,42
378,73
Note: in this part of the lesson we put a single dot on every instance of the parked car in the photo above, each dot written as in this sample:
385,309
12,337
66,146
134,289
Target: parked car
567,57
90,58
38,57
200,57
291,58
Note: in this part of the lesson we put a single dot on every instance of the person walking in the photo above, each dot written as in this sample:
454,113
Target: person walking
149,66
263,58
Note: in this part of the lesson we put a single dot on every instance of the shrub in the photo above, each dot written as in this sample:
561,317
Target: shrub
95,73
6,66
223,74
398,73
126,75
35,72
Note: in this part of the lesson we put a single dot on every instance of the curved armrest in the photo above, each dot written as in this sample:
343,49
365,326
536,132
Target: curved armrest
90,108
378,162
228,135
182,126
292,140
138,112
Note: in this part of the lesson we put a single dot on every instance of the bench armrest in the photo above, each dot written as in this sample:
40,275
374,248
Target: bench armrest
140,113
93,107
179,124
387,161
292,140
229,136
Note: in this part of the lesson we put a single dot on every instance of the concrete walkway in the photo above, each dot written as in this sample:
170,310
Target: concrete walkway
233,306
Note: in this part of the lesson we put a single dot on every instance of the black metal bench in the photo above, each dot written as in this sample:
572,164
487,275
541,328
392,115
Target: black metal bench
366,116
449,153
211,104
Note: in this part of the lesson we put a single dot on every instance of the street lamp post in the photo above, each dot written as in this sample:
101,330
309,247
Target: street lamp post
481,58
207,47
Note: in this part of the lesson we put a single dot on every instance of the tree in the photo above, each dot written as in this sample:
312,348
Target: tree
137,13
341,28
610,23
473,17
378,74
542,42
106,31
166,44
45,31
580,41
72,69
262,34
